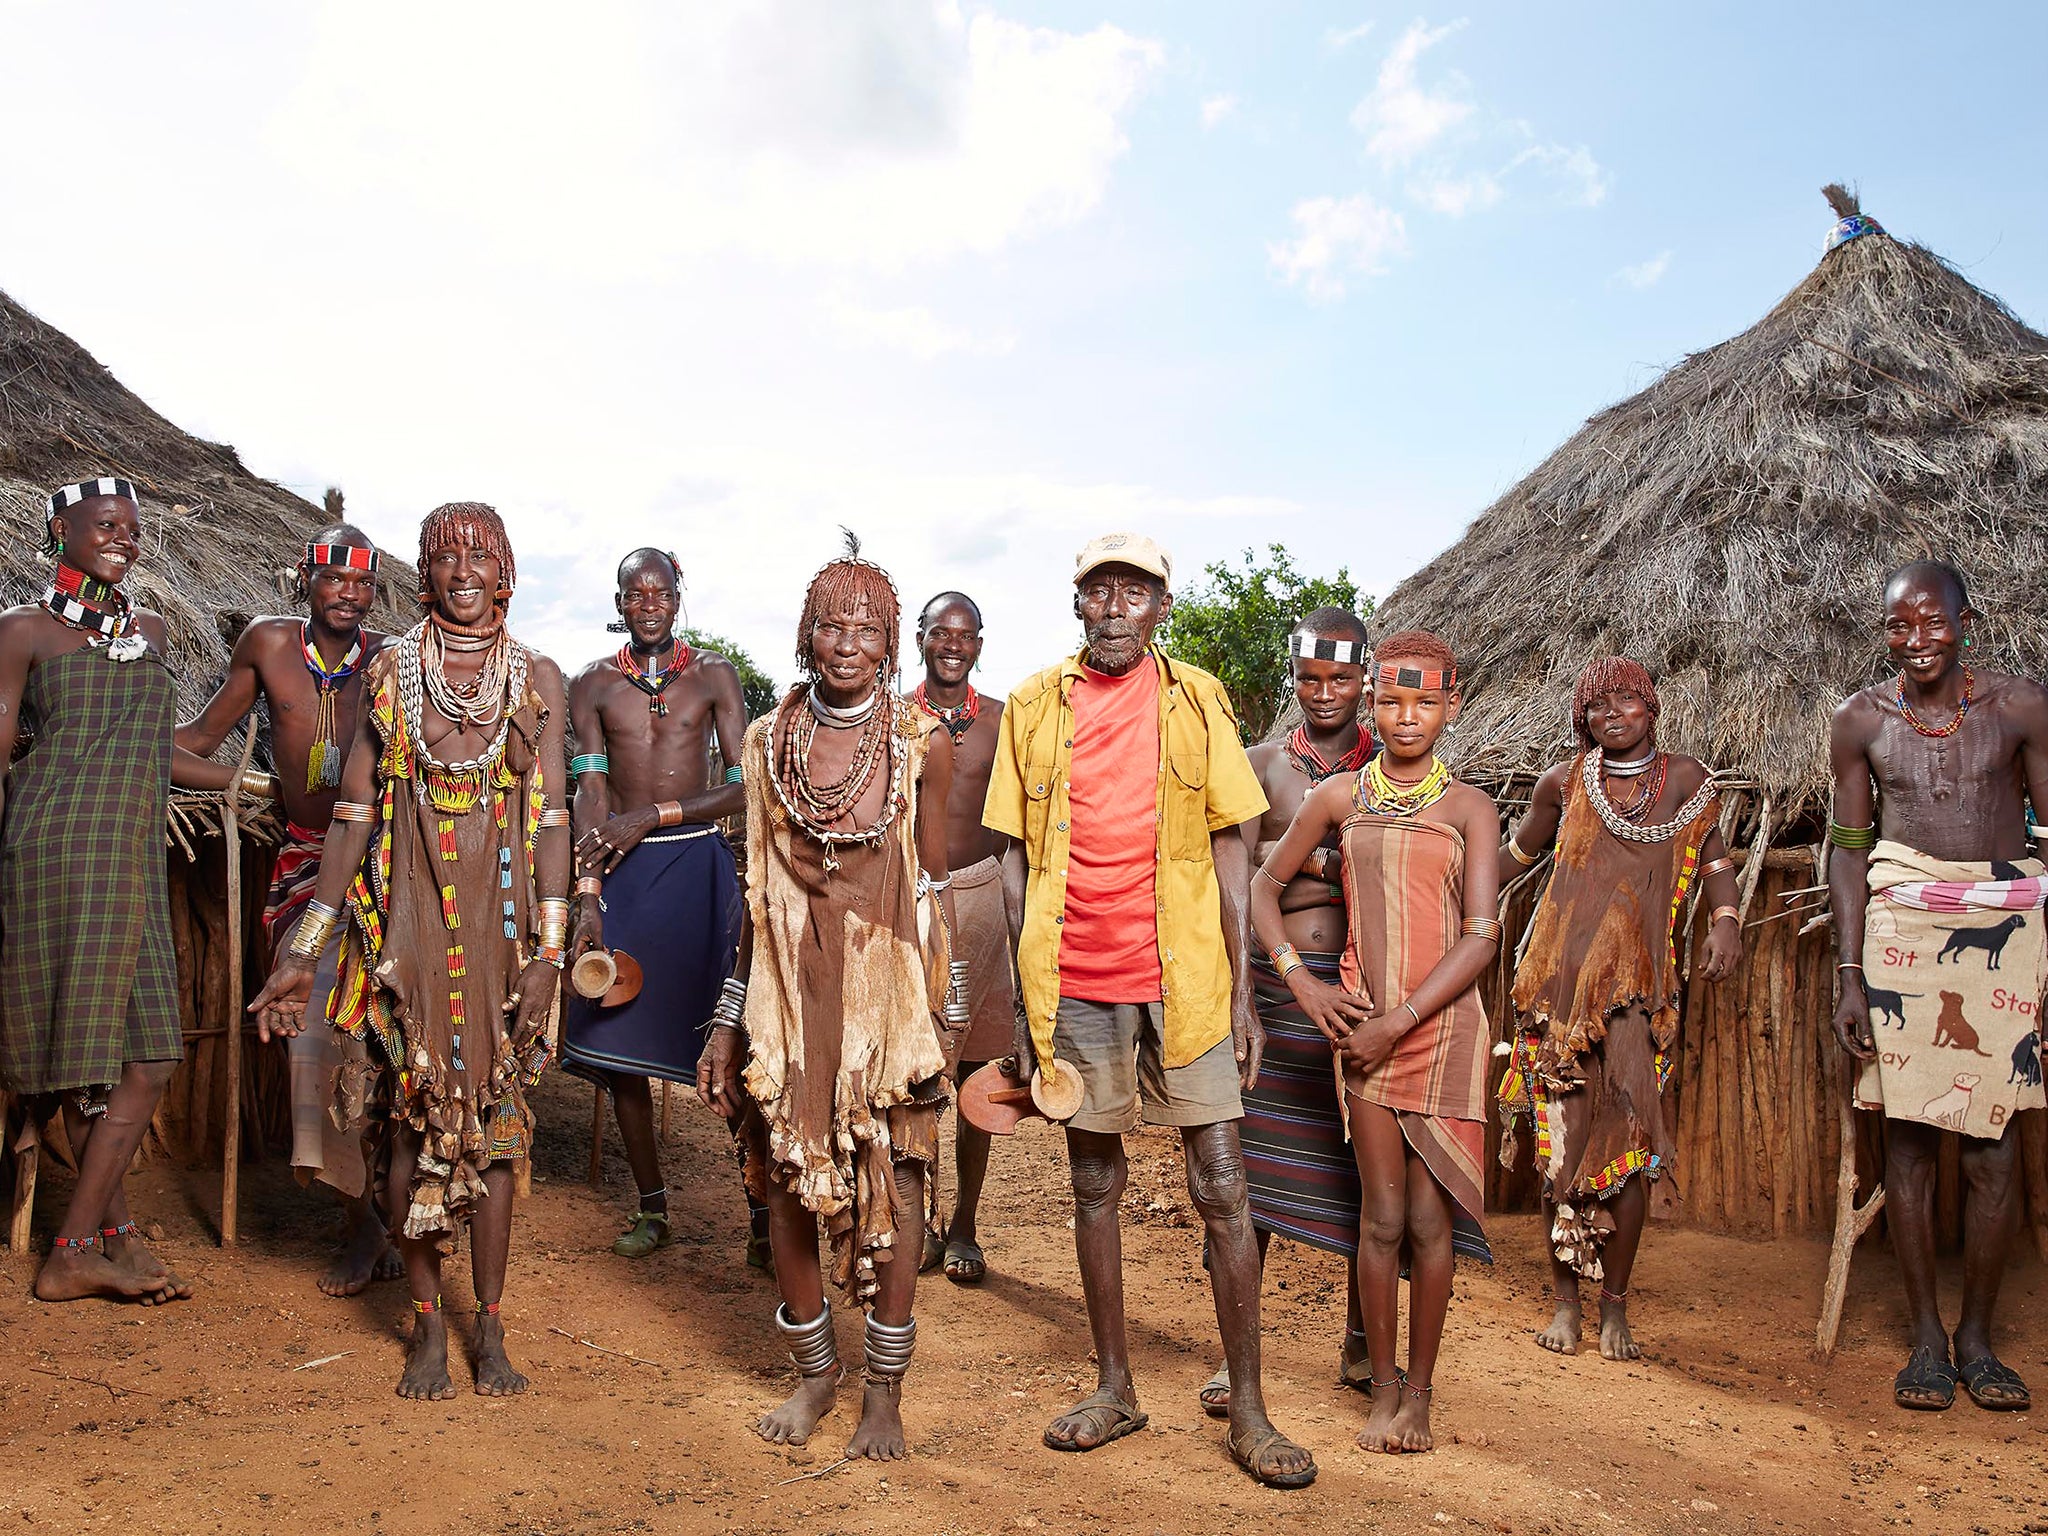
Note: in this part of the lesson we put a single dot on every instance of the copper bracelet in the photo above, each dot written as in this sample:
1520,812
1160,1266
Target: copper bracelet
1708,871
670,813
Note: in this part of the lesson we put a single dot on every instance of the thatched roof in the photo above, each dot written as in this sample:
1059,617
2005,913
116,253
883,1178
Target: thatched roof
1731,526
214,535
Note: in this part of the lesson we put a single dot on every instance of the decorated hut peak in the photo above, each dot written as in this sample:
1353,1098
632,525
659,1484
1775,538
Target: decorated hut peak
1731,526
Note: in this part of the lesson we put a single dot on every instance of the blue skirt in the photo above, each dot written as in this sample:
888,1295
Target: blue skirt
674,905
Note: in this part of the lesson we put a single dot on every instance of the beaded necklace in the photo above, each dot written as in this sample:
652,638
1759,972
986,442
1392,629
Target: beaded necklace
1309,762
1379,794
323,762
1649,785
654,680
812,808
1962,709
957,720
452,786
86,603
1628,831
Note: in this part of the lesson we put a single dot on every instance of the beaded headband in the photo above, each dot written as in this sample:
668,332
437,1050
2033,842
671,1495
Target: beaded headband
354,557
83,490
1313,648
1415,677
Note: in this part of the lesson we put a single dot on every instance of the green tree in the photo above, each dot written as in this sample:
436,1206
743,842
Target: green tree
757,688
1234,623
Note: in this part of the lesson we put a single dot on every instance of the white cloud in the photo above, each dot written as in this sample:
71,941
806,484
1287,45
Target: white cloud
1580,180
875,135
1337,239
1337,39
1216,108
1402,118
1645,274
1456,196
912,329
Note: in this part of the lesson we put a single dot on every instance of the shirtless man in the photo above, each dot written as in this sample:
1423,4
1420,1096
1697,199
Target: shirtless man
1951,755
1298,1165
949,640
309,674
654,875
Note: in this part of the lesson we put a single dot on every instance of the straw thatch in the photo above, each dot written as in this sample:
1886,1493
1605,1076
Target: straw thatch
214,535
1731,526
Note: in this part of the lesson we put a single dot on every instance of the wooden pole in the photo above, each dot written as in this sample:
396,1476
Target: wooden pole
231,1132
1851,1222
597,1138
26,1147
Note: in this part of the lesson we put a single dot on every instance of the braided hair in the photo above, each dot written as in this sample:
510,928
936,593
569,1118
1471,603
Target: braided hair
1610,674
841,586
468,524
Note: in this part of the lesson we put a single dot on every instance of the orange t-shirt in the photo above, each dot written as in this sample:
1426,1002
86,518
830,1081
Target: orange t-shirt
1109,944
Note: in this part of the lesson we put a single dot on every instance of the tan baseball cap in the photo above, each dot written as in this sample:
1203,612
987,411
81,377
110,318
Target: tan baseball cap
1132,549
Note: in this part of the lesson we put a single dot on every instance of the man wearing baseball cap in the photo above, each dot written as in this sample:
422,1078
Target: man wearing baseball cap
1120,781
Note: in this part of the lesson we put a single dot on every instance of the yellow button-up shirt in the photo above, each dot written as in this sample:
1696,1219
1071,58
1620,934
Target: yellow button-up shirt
1205,784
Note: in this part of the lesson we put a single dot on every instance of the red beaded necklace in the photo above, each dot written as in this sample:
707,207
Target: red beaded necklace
1309,761
1962,709
957,719
655,679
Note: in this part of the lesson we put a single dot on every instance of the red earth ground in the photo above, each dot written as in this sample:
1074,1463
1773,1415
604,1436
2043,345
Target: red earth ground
231,1413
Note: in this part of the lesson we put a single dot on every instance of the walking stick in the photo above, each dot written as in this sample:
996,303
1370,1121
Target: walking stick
231,1135
1851,1222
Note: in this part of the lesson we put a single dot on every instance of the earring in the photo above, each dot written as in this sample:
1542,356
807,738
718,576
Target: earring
1967,641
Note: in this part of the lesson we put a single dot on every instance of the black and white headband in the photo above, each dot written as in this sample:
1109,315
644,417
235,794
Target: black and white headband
1314,648
84,490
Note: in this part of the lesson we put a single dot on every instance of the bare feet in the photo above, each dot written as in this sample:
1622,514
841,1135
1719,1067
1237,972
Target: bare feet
1616,1342
880,1435
426,1361
365,1254
72,1274
1410,1430
1562,1336
494,1374
128,1252
792,1423
1378,1434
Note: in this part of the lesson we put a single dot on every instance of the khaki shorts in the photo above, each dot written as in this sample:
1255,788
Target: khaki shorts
1117,1049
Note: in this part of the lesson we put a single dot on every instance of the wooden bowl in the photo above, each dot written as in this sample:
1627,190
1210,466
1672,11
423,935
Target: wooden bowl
593,974
1059,1097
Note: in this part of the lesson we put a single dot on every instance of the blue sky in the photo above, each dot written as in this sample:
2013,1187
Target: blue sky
978,280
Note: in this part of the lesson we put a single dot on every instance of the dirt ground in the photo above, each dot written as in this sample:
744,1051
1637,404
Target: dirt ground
232,1412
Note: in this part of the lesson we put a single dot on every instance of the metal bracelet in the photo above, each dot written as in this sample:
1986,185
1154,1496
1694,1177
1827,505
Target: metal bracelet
1720,912
812,1348
957,1009
589,762
1515,852
668,813
589,885
354,810
557,816
314,930
731,1011
1489,928
258,784
888,1348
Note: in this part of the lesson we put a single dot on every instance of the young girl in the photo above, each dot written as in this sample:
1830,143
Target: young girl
1408,1035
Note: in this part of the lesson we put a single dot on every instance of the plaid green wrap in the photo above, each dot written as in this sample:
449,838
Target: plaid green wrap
88,980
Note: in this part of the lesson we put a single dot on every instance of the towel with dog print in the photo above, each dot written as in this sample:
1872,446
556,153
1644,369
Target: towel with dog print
1954,957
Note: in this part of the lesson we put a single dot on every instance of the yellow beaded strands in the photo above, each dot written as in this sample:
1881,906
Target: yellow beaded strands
1383,797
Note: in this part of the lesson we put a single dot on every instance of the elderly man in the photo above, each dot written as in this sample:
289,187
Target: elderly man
308,672
1121,782
1938,922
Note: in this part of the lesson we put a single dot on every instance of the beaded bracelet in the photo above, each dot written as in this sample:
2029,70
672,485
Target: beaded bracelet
1286,960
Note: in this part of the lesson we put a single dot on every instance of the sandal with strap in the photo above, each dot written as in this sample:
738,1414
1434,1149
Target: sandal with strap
1995,1385
1252,1453
1215,1395
645,1233
966,1264
1125,1419
1927,1383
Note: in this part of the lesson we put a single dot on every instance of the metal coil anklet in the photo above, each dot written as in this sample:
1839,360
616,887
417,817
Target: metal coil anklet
812,1348
889,1347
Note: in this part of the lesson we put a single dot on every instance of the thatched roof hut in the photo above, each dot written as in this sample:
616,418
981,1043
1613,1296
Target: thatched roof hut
1731,526
216,540
214,535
